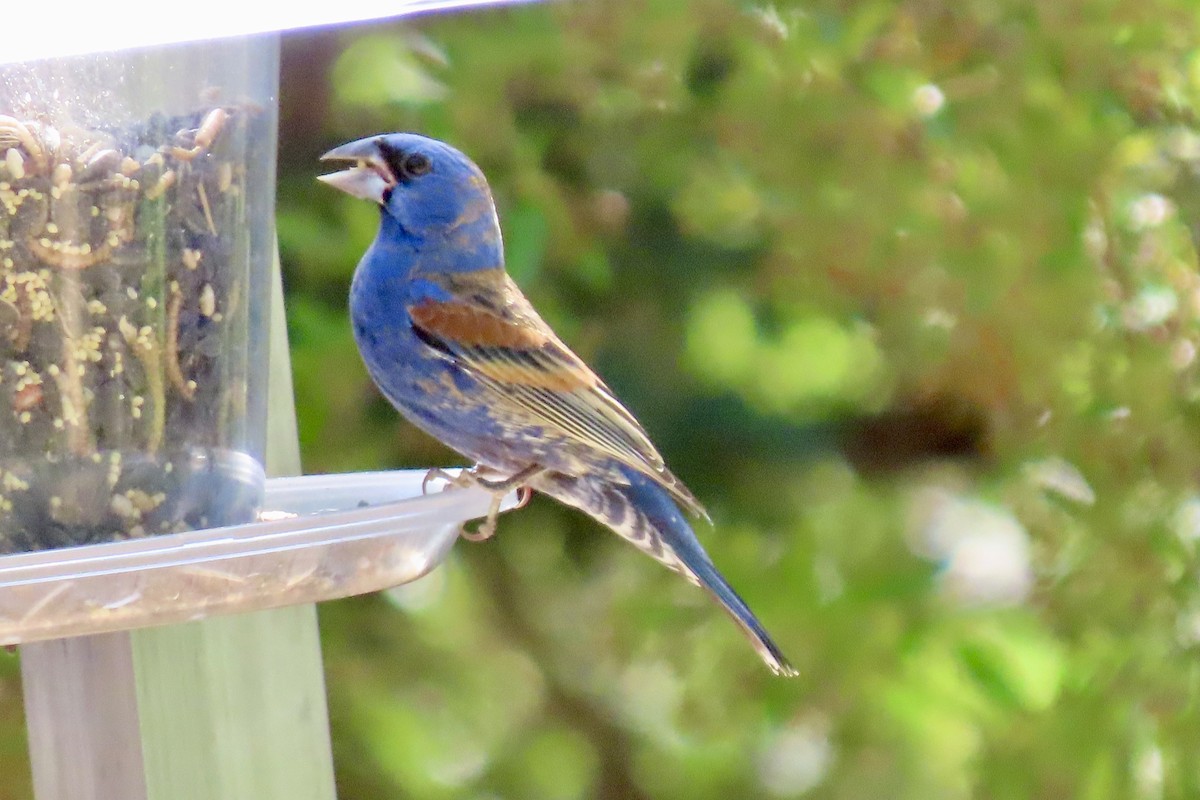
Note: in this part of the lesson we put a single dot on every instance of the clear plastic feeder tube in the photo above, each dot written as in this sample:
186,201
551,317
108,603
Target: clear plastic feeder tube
136,237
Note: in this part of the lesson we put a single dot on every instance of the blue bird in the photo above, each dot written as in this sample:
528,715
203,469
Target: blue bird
454,345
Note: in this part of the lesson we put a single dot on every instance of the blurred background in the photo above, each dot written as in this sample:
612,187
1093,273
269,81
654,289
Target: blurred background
907,292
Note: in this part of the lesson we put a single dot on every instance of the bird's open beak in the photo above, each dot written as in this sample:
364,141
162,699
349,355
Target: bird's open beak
369,178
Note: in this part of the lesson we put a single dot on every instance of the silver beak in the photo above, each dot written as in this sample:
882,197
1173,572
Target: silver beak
368,179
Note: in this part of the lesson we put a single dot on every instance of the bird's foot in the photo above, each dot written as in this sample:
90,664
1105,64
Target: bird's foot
498,487
487,528
462,480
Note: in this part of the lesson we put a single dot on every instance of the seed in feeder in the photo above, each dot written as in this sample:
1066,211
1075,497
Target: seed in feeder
51,228
13,483
191,257
95,211
151,303
122,506
133,295
27,397
15,164
87,347
61,176
208,217
24,417
213,122
130,166
71,415
114,474
164,182
208,301
144,501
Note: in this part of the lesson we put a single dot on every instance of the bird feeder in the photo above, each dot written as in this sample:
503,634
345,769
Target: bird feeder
139,299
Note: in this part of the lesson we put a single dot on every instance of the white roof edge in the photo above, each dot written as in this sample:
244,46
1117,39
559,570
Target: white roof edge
127,24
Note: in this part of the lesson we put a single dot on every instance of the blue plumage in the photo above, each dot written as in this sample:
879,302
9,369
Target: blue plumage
454,345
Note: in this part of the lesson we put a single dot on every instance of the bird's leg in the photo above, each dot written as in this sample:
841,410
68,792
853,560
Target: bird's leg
499,488
506,485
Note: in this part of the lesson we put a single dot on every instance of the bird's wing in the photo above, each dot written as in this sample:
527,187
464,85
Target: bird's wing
514,356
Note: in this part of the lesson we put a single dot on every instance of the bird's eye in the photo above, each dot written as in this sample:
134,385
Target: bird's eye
416,165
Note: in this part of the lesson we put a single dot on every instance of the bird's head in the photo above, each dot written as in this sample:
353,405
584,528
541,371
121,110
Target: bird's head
427,187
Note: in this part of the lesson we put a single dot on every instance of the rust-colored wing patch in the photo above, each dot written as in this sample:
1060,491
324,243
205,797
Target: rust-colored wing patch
473,327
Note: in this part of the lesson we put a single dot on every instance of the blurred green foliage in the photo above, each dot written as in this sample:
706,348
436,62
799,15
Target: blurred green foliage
906,291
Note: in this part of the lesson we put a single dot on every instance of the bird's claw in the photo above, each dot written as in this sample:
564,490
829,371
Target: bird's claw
485,531
524,495
498,488
464,479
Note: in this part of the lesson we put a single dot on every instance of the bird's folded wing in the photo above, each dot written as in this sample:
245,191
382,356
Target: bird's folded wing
538,379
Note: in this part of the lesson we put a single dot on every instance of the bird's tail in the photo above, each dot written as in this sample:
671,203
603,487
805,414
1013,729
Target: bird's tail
643,513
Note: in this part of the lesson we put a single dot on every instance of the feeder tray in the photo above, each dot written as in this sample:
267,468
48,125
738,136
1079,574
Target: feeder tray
321,537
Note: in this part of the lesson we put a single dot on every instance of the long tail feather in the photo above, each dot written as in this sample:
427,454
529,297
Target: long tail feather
644,514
